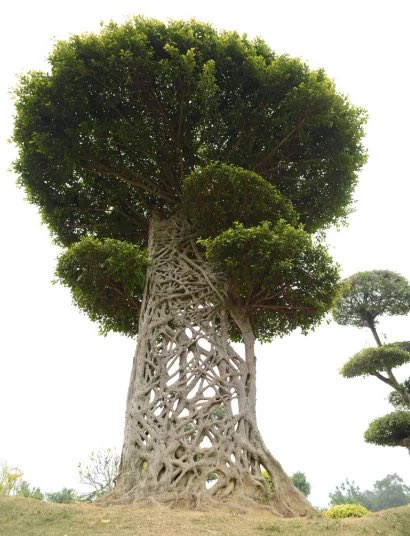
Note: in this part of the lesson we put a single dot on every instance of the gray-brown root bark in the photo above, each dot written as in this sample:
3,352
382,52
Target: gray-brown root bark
190,413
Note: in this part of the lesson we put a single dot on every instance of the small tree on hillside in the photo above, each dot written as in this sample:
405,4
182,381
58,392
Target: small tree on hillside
300,481
100,472
185,170
25,490
365,297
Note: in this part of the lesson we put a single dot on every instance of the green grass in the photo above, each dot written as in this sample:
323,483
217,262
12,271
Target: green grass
29,517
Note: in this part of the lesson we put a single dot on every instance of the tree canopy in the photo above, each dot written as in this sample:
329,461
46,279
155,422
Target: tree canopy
254,148
373,361
390,430
300,481
368,295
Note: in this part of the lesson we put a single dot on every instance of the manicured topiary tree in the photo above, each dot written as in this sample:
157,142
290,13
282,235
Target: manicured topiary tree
185,170
368,295
364,297
390,430
380,362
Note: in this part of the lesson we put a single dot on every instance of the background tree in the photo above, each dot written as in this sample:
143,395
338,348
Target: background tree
368,295
300,481
386,493
202,163
346,493
25,490
380,362
99,472
66,495
364,297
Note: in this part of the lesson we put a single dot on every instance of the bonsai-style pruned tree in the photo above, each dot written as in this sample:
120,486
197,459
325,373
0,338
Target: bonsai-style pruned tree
364,297
368,295
380,362
185,171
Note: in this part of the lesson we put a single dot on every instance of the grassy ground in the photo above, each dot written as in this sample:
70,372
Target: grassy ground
28,517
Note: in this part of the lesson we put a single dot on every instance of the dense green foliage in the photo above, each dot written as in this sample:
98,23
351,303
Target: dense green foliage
299,481
218,195
65,495
278,274
367,295
371,361
341,511
106,278
122,117
148,116
390,429
386,493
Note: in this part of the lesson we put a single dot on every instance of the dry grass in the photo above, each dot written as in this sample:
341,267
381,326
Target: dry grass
28,517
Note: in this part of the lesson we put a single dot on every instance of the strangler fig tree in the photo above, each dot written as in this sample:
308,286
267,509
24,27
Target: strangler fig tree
185,171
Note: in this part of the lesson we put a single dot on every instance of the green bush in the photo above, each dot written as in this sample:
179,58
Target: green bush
64,496
389,430
25,490
341,511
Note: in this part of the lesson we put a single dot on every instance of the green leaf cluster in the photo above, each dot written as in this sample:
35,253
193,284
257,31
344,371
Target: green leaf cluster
390,429
218,195
278,274
341,511
371,361
106,278
367,295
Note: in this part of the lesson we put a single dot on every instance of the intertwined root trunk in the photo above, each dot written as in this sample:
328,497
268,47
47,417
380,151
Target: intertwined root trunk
191,432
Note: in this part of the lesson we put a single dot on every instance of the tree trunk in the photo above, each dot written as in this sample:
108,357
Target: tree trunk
372,327
190,432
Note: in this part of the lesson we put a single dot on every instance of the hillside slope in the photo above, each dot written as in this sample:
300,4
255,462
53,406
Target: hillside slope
29,517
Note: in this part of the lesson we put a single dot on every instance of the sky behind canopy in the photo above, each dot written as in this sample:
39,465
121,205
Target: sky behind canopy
63,387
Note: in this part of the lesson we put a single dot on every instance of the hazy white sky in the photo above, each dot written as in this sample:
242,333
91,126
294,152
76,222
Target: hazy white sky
63,388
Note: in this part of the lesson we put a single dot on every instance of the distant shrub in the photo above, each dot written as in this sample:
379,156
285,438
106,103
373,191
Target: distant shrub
63,496
341,511
25,490
300,482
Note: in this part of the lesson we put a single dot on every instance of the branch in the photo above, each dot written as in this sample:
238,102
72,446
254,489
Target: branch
136,183
284,140
382,378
